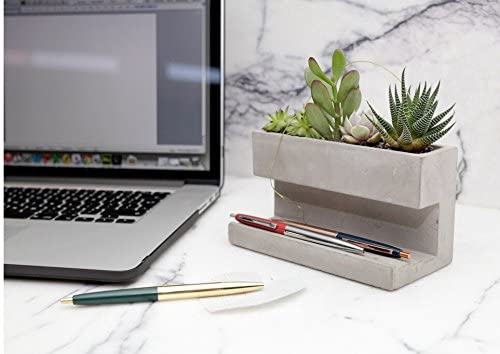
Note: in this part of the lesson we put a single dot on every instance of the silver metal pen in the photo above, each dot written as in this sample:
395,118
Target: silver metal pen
296,232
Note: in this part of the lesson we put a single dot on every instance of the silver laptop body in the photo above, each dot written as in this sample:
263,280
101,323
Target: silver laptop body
113,133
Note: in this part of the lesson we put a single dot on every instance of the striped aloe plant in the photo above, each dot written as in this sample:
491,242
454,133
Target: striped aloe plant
414,126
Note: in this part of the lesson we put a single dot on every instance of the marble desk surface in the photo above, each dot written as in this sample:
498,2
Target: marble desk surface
455,310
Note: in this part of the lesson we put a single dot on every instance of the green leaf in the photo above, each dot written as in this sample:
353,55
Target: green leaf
351,102
338,64
387,127
316,70
434,94
399,112
388,139
321,97
404,118
431,138
405,138
416,97
421,126
393,109
349,81
360,132
441,126
309,76
440,116
318,120
419,115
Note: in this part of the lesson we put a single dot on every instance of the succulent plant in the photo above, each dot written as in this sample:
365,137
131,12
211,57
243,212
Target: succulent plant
358,129
335,97
300,126
414,126
278,121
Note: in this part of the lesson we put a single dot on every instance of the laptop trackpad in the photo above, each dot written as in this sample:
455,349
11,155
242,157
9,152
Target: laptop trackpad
75,245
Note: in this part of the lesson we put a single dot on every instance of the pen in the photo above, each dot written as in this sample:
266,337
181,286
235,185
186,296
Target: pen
163,293
282,228
372,246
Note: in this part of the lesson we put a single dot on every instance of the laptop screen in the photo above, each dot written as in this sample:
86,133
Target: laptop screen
107,84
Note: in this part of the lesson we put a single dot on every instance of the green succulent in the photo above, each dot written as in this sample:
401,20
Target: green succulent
414,126
300,126
335,97
278,121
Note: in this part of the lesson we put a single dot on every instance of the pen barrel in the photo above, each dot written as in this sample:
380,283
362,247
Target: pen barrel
371,245
117,296
315,237
193,291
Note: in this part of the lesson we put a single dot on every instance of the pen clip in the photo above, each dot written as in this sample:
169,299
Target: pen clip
258,222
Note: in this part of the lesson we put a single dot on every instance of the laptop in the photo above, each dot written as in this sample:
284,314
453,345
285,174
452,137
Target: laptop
113,132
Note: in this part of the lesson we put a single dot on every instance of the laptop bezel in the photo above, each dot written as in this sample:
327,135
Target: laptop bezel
213,176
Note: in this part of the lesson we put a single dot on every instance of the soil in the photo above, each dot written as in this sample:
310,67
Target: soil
385,146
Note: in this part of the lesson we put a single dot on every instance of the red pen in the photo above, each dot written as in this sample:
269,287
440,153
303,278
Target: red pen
284,229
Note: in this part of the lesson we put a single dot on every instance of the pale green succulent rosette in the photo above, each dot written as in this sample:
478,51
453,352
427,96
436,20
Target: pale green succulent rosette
358,129
300,126
278,121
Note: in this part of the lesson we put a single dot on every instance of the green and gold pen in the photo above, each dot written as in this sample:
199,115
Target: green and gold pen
163,293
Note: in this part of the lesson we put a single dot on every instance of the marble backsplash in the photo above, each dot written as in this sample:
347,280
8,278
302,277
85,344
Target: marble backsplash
458,42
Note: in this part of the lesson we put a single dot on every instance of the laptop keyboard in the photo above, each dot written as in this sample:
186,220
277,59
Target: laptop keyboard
81,205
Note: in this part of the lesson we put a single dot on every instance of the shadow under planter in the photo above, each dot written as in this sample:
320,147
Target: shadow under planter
403,199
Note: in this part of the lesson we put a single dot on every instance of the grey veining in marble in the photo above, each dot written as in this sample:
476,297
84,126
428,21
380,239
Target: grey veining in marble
455,41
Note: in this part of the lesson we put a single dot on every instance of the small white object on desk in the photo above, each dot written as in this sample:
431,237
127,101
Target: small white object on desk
274,289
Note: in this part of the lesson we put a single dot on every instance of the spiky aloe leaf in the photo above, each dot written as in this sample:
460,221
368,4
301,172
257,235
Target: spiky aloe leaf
405,101
431,138
405,138
351,102
316,70
440,116
416,97
318,121
441,126
321,97
399,111
388,127
388,139
434,94
338,64
349,81
422,121
393,109
419,111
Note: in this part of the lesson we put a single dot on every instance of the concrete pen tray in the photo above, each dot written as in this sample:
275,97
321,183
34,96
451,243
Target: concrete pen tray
383,272
403,199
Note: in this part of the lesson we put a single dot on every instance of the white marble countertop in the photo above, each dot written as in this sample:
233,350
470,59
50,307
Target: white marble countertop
455,310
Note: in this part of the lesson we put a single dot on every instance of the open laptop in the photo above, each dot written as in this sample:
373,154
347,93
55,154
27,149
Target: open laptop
113,132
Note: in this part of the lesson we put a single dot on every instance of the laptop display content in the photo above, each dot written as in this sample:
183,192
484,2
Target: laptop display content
108,86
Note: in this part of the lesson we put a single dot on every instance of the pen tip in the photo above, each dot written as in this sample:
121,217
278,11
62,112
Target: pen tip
233,215
67,300
256,285
405,255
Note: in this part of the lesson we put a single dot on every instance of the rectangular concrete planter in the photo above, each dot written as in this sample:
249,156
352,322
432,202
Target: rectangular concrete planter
399,198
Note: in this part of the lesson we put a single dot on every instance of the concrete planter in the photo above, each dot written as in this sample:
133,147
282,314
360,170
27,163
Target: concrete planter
399,198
